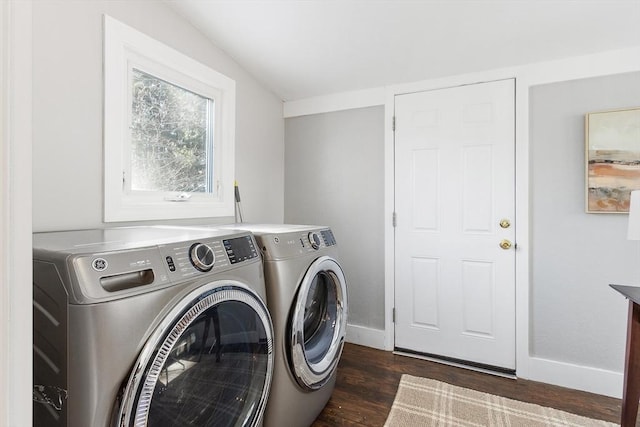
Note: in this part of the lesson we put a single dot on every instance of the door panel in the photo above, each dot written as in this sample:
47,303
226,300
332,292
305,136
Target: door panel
455,175
425,291
425,189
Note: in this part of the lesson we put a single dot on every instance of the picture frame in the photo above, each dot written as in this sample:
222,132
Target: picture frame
612,159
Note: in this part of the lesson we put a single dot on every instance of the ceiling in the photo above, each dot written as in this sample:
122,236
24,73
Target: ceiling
304,48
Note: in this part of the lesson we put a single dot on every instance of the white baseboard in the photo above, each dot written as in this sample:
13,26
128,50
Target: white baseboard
585,378
577,377
363,335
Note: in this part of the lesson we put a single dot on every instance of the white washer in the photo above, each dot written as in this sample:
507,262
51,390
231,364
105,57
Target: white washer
307,299
158,326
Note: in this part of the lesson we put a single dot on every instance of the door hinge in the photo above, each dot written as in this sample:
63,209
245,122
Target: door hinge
394,219
393,123
393,315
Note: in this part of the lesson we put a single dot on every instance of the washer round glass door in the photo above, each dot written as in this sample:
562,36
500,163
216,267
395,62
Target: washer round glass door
209,363
318,323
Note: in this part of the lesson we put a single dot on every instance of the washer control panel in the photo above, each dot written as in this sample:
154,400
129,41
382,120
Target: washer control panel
209,255
104,264
240,249
186,259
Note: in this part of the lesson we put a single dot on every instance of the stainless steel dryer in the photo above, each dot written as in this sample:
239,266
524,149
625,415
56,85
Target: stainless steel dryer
157,326
307,298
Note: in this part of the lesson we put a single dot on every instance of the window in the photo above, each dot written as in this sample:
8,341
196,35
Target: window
171,137
168,131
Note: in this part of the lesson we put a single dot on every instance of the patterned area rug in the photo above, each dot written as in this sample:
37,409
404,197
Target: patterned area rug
426,402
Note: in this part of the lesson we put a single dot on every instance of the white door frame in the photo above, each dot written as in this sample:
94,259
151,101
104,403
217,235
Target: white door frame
453,339
521,201
611,62
15,213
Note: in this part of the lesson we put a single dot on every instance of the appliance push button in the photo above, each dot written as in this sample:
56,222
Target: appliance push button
171,264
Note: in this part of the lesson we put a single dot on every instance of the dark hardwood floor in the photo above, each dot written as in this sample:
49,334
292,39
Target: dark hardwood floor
368,380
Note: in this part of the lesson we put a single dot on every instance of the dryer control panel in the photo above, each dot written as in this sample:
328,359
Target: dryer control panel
287,245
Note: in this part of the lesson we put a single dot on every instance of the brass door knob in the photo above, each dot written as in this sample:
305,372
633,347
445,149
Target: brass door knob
505,244
505,223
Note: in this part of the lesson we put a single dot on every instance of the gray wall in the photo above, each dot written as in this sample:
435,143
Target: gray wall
67,111
334,175
575,316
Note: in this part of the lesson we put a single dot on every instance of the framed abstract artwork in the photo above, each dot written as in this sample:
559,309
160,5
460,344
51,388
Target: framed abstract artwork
612,140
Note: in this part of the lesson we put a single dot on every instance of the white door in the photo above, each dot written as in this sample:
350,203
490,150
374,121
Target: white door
455,205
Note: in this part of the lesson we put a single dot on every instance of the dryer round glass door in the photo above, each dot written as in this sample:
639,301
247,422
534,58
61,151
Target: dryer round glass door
318,323
209,363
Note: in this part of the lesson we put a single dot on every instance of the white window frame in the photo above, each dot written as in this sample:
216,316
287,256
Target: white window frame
124,49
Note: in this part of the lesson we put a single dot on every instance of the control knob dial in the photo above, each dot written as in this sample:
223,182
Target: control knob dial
314,239
202,256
